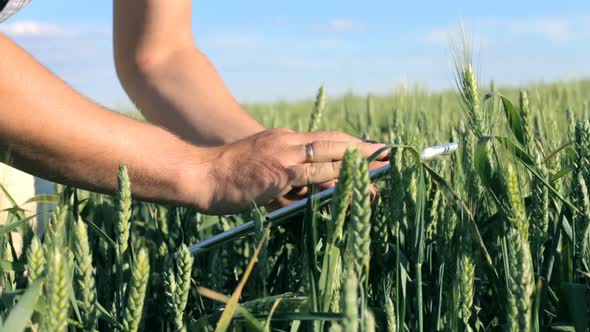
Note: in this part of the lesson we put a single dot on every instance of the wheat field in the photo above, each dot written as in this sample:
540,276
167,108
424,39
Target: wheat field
493,238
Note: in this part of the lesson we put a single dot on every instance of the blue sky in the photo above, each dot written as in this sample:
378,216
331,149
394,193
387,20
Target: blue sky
271,50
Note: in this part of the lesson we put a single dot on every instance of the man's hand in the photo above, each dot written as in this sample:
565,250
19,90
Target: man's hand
269,165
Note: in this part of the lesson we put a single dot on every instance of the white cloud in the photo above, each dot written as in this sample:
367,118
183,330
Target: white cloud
49,31
340,25
230,43
438,35
331,44
552,29
36,29
82,55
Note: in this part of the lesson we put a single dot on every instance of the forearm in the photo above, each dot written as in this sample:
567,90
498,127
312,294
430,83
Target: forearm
184,93
49,130
169,79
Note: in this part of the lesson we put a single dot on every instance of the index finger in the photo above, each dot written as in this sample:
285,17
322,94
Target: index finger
328,151
335,136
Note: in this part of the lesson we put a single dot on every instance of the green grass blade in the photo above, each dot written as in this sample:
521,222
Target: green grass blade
232,304
10,266
100,233
377,153
20,315
48,198
10,227
8,196
561,173
512,116
241,310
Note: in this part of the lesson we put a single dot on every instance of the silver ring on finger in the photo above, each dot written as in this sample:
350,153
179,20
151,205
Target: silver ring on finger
309,154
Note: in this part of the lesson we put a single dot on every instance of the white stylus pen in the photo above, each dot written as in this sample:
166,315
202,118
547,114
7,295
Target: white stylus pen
438,150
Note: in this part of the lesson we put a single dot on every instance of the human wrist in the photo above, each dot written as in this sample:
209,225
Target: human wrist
194,183
245,128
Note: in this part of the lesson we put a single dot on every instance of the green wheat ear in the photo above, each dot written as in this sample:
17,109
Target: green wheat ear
582,150
582,224
517,217
521,284
123,209
434,216
465,277
184,268
359,231
350,305
57,287
525,116
85,277
467,84
335,327
521,278
379,232
122,230
342,194
55,236
369,321
390,314
136,291
571,122
471,95
170,289
318,108
35,260
539,214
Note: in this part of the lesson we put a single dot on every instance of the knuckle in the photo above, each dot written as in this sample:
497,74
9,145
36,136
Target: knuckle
319,146
284,136
338,135
334,133
366,148
282,131
288,139
308,172
327,134
315,171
